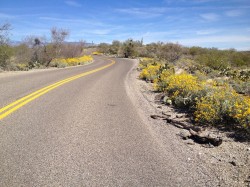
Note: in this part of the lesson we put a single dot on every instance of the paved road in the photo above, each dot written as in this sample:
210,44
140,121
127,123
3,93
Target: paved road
83,133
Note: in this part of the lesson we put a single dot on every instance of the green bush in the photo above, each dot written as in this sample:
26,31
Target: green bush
5,54
58,64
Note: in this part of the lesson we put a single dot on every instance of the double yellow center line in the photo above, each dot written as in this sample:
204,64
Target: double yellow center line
12,107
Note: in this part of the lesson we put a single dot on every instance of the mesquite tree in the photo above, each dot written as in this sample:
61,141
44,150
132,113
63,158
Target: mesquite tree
5,49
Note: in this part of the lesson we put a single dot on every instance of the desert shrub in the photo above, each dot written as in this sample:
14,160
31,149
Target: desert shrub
162,82
213,60
238,59
184,89
71,61
11,66
22,67
170,51
5,54
145,61
196,50
151,72
241,111
200,75
85,59
240,86
128,48
187,64
114,47
60,63
97,53
223,105
211,87
212,101
243,75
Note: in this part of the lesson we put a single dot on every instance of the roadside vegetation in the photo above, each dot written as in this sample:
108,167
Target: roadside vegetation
210,101
212,85
39,52
62,62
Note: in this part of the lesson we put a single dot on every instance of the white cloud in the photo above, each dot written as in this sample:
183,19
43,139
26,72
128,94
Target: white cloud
234,13
215,39
73,3
207,31
210,17
143,12
77,21
96,31
101,31
192,1
202,1
6,16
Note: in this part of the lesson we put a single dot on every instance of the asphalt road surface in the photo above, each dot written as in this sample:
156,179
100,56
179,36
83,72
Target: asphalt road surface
86,132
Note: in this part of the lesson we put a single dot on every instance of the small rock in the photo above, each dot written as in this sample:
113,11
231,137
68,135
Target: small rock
184,134
192,132
233,163
179,119
207,145
160,107
157,116
189,142
167,113
212,135
248,179
165,99
179,115
204,134
173,116
248,149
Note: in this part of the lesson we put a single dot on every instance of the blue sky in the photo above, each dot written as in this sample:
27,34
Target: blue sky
207,23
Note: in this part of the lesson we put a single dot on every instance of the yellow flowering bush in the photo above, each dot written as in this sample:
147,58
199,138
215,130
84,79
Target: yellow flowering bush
184,89
151,72
97,53
144,62
182,83
208,108
22,67
60,62
241,111
161,83
211,101
223,105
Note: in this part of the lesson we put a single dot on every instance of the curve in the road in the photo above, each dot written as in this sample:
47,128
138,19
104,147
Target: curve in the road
12,107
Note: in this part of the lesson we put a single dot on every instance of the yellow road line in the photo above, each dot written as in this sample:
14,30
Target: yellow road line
7,110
